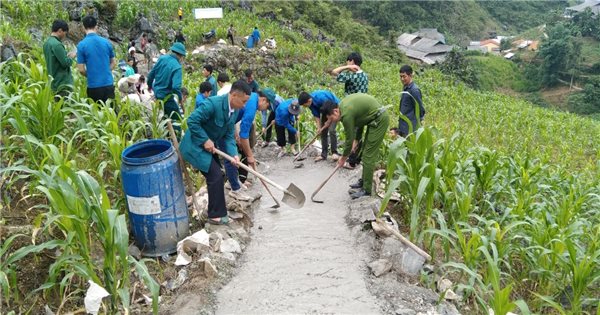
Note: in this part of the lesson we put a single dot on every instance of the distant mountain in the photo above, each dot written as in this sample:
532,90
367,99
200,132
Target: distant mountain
459,20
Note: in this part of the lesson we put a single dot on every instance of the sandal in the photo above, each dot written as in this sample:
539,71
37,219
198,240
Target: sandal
223,221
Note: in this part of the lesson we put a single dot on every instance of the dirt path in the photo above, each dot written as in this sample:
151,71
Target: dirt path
301,261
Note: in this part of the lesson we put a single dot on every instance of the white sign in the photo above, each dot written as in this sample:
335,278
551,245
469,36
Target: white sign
208,13
144,205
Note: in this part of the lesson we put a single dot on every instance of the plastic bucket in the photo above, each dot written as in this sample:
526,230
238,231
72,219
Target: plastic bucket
153,186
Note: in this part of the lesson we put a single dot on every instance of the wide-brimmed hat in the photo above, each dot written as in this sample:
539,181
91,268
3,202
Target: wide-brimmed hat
122,64
179,48
270,94
134,78
294,108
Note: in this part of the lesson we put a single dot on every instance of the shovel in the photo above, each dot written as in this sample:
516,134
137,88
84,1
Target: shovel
292,196
276,205
261,132
312,197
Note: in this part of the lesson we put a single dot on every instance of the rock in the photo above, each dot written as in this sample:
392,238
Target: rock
270,15
447,309
182,276
451,296
380,266
412,263
362,210
405,311
144,25
8,52
210,271
230,246
36,34
235,215
307,33
215,240
134,251
443,284
227,5
228,256
246,5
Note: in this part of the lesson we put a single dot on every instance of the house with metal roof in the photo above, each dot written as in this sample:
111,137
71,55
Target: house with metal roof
593,5
426,45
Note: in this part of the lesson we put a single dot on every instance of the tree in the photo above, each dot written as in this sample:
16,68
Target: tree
458,66
505,44
558,53
587,101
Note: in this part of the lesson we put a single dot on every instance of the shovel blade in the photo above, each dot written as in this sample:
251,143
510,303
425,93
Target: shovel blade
294,197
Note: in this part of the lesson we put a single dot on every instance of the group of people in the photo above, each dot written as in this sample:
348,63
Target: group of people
224,115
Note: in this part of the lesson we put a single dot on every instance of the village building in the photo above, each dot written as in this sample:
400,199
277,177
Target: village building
427,45
593,5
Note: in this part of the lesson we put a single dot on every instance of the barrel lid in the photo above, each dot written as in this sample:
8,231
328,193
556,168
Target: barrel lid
147,152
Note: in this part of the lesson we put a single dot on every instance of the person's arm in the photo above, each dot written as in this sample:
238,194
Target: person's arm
61,55
288,124
113,63
350,131
230,145
339,69
418,97
82,70
150,78
177,74
318,122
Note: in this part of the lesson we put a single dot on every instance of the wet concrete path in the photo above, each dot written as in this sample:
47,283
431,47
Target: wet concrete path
302,260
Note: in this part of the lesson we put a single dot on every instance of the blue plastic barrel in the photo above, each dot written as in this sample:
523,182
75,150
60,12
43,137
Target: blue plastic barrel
155,193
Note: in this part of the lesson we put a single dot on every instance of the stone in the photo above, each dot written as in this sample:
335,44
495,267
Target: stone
447,309
134,251
215,240
230,246
210,271
145,26
182,276
228,256
412,262
380,266
443,284
235,215
451,296
405,311
362,210
8,52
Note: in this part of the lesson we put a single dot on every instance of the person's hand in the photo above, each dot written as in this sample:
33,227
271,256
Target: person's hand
236,161
342,161
72,54
237,138
209,146
353,68
251,161
327,124
263,130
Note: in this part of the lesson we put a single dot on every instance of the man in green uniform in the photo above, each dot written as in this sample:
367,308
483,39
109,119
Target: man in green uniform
165,79
58,61
356,112
213,122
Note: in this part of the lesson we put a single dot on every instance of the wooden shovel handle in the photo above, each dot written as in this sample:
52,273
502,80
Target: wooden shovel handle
309,143
269,126
188,179
325,181
403,239
255,173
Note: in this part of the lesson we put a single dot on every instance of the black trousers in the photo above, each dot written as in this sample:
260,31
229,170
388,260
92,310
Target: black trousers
270,129
216,190
281,136
229,36
101,93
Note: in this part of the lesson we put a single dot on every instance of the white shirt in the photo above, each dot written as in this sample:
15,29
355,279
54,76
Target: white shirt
225,89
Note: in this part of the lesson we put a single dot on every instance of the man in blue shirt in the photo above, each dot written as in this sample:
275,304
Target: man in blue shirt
285,116
255,36
95,60
207,71
246,138
203,93
315,101
165,79
411,96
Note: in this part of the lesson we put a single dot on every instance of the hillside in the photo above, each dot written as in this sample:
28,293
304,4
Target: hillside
502,193
460,21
